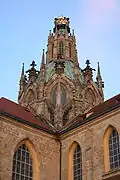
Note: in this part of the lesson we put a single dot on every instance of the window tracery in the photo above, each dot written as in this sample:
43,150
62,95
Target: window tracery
77,163
114,150
22,164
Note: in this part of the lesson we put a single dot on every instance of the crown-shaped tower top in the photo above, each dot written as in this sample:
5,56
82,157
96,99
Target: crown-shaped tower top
61,23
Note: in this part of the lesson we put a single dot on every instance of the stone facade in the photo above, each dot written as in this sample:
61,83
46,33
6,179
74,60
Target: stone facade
46,146
90,138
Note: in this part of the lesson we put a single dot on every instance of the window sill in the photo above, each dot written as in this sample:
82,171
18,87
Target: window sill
112,174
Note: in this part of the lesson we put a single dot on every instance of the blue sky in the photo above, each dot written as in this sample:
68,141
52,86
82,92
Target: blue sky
24,28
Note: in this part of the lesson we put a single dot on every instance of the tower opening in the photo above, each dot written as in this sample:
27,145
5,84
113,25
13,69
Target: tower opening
61,48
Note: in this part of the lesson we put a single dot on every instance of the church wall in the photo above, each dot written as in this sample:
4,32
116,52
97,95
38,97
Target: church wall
46,147
90,138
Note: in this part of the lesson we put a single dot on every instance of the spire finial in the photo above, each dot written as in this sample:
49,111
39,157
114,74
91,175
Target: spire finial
33,64
73,32
98,73
100,83
88,63
43,57
22,74
49,32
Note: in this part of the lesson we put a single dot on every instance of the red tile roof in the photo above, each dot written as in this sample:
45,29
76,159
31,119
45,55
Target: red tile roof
99,110
107,105
13,109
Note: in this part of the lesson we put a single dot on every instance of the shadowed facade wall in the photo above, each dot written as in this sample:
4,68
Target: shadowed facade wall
90,137
45,146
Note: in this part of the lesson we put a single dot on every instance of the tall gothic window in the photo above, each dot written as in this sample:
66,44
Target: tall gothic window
22,164
61,48
63,96
77,163
114,150
52,50
69,50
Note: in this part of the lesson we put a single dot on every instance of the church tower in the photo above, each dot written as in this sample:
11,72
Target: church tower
61,90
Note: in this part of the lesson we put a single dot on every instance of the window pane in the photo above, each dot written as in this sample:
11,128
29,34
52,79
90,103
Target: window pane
22,164
63,96
54,95
77,163
114,150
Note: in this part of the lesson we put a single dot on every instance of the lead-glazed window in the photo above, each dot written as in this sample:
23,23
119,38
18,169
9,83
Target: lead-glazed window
22,164
77,163
114,150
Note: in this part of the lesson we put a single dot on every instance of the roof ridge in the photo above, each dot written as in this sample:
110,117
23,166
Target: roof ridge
3,98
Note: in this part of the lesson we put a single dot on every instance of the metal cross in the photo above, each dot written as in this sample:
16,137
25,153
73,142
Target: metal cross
88,62
33,64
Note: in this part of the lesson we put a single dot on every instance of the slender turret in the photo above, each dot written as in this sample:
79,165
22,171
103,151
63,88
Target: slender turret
43,58
42,68
100,83
21,81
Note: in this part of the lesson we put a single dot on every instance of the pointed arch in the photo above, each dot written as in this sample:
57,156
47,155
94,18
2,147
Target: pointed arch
111,146
61,48
75,162
30,96
25,161
90,96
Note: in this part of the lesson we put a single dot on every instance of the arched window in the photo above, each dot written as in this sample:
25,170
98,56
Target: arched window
69,50
114,150
22,164
111,145
52,50
77,163
61,48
